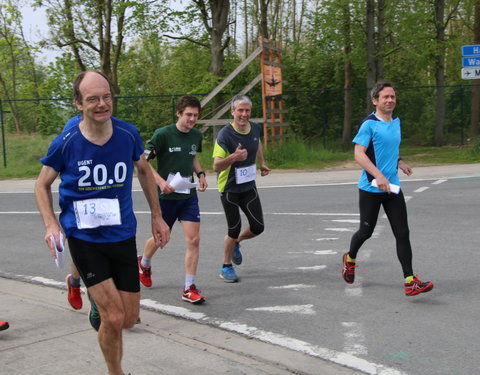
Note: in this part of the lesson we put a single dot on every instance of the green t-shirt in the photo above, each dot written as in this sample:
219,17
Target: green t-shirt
175,152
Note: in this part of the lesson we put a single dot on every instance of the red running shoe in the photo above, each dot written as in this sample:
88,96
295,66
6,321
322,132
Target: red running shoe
74,294
348,270
192,295
145,273
3,325
416,287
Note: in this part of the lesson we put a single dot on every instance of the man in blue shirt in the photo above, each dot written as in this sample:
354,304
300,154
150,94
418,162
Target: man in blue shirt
95,160
377,152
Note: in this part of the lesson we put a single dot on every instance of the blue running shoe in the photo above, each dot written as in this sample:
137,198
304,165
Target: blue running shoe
228,274
237,255
94,315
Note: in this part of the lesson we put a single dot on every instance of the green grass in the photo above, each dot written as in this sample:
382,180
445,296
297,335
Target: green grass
23,153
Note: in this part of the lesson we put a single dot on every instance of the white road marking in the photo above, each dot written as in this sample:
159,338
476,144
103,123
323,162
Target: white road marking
340,229
315,252
311,268
422,189
172,310
327,239
354,338
354,221
293,286
344,359
439,182
341,358
355,289
291,309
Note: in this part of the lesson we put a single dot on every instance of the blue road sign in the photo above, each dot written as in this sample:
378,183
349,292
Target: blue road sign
472,50
470,62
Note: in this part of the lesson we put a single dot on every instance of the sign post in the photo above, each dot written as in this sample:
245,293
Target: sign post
471,61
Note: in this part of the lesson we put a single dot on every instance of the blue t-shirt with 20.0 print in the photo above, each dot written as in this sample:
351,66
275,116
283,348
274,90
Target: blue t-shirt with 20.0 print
89,171
382,140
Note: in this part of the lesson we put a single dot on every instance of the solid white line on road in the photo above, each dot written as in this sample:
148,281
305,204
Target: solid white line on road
439,182
291,309
422,189
344,359
172,310
327,239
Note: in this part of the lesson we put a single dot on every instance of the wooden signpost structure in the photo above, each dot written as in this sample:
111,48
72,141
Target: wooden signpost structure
272,86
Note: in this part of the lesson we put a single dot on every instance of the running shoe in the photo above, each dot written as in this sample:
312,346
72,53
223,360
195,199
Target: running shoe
145,273
237,255
228,274
3,325
416,287
193,295
348,270
74,294
94,315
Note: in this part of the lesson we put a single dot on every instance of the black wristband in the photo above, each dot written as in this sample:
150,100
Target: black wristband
200,173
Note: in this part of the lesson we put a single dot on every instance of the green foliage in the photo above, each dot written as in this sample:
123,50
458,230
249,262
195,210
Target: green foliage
23,155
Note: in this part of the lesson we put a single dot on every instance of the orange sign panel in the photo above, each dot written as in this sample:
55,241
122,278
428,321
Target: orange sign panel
272,78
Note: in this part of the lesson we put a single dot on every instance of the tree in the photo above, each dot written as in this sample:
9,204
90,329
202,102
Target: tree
475,102
17,65
441,23
94,30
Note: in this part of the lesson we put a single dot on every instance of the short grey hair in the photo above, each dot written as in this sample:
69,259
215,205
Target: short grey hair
239,99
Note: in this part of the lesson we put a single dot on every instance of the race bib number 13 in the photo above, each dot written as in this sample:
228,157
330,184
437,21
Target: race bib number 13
94,213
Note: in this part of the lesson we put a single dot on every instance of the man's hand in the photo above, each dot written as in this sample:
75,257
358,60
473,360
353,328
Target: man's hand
264,170
240,153
160,231
202,183
405,168
165,187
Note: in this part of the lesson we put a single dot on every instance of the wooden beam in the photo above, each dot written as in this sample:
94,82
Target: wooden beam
232,75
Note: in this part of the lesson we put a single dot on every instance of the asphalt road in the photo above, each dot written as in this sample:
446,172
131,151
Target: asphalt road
291,291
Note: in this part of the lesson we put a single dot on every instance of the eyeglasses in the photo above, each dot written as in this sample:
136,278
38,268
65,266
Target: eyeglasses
96,99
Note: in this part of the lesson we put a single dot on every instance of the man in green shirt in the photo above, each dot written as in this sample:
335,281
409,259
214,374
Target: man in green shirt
175,146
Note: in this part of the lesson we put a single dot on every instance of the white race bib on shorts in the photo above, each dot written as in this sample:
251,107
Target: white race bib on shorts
94,213
245,174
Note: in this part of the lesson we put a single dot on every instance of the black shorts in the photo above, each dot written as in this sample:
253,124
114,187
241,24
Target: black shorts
97,262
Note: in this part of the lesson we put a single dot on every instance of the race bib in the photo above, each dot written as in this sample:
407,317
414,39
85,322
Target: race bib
245,174
94,213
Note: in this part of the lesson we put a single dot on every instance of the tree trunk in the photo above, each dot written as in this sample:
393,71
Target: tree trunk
348,76
380,43
475,103
263,29
371,70
440,71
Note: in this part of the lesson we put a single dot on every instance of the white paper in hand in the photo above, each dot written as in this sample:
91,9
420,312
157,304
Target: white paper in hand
395,189
181,184
59,253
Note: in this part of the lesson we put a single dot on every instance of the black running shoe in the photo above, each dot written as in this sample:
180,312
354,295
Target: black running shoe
94,315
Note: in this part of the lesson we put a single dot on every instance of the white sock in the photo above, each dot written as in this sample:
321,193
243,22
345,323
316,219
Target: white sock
189,280
146,262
